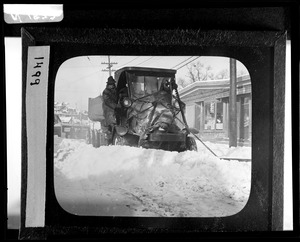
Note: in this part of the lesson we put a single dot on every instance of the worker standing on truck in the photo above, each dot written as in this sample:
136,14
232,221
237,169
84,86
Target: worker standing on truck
110,99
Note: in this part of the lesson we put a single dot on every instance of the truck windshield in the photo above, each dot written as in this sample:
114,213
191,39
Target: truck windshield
145,85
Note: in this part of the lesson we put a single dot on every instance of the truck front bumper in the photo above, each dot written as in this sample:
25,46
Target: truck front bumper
167,137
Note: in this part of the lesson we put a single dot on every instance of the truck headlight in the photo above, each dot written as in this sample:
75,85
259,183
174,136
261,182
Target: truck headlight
126,102
176,104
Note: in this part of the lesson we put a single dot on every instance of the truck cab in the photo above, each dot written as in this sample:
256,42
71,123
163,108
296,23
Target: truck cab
150,113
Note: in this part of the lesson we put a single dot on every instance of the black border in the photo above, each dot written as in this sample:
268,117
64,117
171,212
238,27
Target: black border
256,50
293,33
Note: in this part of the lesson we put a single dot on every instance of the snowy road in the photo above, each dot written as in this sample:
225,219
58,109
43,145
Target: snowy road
128,181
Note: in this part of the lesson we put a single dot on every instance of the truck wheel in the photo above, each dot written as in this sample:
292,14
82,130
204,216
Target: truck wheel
191,144
88,137
97,139
93,139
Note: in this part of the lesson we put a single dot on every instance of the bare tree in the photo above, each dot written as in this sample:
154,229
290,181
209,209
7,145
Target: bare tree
191,74
223,74
208,74
199,72
242,72
181,82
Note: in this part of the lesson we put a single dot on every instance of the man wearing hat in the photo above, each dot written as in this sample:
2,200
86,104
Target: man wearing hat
109,104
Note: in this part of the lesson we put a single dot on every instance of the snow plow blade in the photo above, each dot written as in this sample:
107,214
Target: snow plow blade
167,137
95,110
220,157
234,158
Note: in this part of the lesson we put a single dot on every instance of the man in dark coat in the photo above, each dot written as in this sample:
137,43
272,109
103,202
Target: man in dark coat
110,100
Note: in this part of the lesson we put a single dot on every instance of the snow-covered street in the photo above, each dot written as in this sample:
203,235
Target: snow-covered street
129,181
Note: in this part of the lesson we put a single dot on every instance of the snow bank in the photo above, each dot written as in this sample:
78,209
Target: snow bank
157,172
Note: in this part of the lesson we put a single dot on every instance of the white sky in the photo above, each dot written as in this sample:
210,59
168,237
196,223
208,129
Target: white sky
82,77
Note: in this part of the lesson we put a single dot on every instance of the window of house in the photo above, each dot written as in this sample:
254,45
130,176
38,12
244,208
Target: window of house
219,111
213,115
210,119
246,118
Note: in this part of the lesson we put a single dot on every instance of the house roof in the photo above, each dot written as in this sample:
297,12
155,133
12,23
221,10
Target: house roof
223,84
65,119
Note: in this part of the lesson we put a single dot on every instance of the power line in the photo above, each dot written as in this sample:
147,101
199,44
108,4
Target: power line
72,91
145,60
183,61
85,76
90,66
129,61
157,60
188,63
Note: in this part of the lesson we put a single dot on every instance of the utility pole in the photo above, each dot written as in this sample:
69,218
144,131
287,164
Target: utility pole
110,65
232,105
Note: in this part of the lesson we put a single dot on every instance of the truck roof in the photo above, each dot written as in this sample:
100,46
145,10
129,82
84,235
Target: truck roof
121,79
145,69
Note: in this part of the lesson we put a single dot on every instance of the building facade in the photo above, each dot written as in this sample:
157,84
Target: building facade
207,108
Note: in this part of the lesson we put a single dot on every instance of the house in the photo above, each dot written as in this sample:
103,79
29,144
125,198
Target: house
66,119
207,108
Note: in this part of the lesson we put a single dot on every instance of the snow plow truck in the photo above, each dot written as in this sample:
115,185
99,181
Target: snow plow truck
150,113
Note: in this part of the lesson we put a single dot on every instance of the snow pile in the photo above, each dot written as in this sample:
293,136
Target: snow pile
181,180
